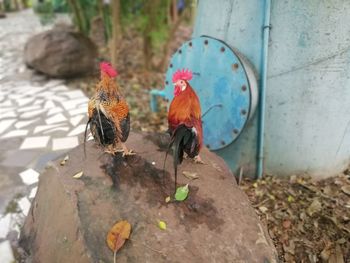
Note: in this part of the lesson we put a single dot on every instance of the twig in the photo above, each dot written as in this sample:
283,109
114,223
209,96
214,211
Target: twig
318,192
337,224
240,175
261,203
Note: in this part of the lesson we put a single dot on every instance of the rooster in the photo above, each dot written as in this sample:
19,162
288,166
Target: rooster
184,119
108,113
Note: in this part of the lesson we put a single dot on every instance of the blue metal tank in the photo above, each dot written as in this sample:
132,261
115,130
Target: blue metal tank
307,113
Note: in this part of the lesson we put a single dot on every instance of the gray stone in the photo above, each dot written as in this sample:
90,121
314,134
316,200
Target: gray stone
70,218
60,53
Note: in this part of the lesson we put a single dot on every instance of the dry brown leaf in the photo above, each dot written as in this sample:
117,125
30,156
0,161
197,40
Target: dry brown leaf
346,189
118,234
189,175
167,199
290,248
325,254
337,256
286,224
263,209
314,207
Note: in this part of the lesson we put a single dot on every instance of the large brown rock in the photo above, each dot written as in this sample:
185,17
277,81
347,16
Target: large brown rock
70,218
60,52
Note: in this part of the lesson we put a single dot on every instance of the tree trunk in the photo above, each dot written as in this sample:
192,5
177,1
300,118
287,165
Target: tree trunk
101,13
193,6
174,11
15,5
116,31
169,13
166,50
150,8
77,14
24,4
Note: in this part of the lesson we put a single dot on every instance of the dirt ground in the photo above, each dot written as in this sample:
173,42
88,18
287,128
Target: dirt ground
309,221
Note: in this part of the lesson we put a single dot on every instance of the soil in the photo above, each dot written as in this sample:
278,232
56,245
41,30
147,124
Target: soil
308,220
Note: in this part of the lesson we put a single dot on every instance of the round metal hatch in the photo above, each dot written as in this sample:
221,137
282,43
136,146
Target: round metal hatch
223,81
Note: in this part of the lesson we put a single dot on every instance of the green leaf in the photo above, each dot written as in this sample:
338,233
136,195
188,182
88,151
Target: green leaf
162,225
181,193
290,199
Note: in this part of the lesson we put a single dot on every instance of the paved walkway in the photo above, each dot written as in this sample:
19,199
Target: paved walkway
40,119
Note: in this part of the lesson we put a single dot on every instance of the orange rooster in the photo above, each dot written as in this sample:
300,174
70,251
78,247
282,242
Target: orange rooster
184,119
108,112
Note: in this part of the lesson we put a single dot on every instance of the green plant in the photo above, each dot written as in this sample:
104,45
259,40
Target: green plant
45,11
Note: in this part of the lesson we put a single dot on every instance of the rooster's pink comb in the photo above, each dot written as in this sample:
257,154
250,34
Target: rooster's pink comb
108,69
183,74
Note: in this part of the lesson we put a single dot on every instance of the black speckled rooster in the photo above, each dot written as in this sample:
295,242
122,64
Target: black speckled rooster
108,112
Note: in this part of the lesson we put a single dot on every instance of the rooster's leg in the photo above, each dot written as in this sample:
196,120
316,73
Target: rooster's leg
126,151
198,159
110,149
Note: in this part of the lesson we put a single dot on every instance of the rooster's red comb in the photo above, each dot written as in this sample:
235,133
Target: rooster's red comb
108,69
183,74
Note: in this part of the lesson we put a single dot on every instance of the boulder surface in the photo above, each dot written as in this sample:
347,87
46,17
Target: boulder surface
70,218
61,52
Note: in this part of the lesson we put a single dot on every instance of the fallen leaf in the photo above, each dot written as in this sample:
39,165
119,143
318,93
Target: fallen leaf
78,175
303,216
167,200
263,209
65,159
162,225
189,175
118,234
255,185
290,248
328,190
293,178
314,207
290,199
259,193
286,224
181,193
341,241
346,189
337,256
272,197
326,252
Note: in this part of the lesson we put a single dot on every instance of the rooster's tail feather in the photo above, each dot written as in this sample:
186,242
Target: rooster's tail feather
179,139
85,134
